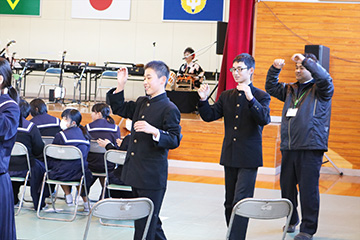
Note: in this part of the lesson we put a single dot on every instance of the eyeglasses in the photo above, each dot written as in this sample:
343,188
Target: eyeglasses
240,69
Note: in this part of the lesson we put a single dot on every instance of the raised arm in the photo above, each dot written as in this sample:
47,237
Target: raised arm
323,80
115,97
272,85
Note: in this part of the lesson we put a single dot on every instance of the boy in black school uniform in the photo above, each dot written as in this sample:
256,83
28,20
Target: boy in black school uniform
155,130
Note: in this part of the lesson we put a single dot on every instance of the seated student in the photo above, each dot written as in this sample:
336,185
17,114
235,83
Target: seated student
102,126
76,135
190,69
29,135
115,171
47,124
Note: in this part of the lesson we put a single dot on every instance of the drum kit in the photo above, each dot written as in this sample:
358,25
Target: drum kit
186,82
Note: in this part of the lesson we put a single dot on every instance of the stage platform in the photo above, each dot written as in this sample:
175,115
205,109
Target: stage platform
201,144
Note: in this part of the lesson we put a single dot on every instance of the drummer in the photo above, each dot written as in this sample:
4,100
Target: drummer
191,69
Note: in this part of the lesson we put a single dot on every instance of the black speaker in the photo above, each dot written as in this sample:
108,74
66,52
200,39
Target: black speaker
220,37
321,52
51,95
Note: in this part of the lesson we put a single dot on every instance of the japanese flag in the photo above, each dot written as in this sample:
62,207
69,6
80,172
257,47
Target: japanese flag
101,9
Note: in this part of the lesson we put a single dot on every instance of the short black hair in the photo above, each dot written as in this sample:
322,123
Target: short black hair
311,55
247,59
24,108
38,107
160,68
189,50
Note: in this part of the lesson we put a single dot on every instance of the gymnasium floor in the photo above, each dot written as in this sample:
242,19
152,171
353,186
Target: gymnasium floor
194,211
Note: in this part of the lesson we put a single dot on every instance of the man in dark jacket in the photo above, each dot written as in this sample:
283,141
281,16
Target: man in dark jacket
245,110
304,135
155,130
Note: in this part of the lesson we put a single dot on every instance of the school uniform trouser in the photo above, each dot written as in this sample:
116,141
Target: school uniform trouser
302,167
239,184
155,230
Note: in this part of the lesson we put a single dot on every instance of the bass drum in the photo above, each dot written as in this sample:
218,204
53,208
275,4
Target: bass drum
171,82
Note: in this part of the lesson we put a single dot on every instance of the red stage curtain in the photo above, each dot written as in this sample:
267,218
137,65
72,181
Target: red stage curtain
238,39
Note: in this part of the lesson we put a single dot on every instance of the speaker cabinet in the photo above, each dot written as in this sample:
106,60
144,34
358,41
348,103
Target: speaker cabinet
51,95
321,52
220,37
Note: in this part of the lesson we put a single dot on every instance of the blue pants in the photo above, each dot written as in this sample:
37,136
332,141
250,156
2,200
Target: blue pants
239,184
155,231
302,167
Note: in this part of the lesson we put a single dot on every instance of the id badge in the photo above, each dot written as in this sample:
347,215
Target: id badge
291,112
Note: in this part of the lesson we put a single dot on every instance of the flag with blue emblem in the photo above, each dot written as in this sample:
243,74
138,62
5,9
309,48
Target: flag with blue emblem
193,10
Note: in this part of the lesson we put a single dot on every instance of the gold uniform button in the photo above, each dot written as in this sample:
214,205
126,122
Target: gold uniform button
148,104
237,116
132,153
135,141
235,128
237,105
234,139
239,94
143,116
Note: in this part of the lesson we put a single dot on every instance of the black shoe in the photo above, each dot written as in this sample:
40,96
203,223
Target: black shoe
291,228
303,236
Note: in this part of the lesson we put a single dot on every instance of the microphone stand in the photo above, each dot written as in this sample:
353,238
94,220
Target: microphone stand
12,60
19,80
60,99
216,86
154,46
78,85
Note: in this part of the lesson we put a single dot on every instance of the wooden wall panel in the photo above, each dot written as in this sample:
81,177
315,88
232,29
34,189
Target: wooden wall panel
334,25
202,141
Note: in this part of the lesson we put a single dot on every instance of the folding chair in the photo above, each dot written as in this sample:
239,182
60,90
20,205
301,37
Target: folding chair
117,157
47,139
109,75
122,209
96,148
50,73
262,209
18,150
63,153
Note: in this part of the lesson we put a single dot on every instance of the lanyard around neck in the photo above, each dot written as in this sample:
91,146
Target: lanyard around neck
298,100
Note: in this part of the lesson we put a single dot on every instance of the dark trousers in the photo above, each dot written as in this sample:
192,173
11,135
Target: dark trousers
155,231
302,167
239,184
